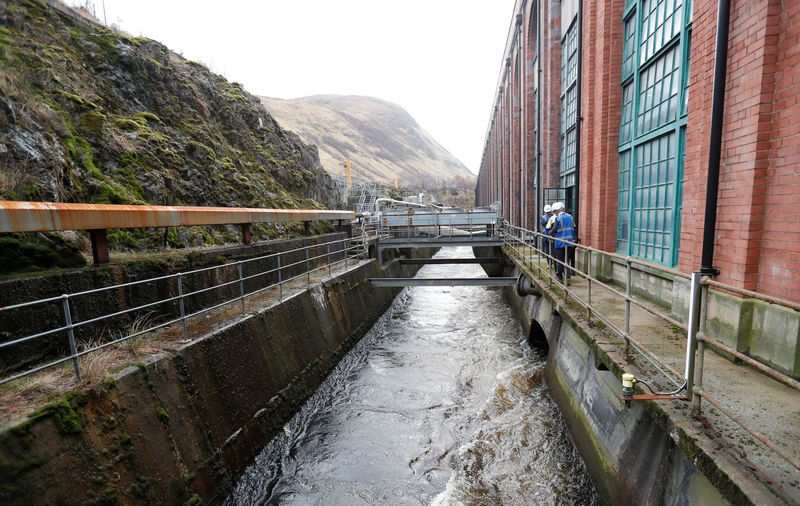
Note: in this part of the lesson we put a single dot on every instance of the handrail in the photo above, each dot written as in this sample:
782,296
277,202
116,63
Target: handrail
697,389
334,252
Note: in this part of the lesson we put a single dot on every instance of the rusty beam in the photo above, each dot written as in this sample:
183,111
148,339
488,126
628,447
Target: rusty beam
49,216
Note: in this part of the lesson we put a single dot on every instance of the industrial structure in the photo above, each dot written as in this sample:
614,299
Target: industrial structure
663,125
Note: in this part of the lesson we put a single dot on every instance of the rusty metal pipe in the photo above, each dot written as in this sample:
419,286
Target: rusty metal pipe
50,216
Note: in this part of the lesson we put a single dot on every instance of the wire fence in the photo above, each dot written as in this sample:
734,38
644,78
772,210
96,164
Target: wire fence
188,295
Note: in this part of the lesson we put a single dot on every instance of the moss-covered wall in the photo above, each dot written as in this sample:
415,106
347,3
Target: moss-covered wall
182,428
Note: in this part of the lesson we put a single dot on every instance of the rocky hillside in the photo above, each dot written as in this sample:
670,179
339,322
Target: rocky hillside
380,138
91,115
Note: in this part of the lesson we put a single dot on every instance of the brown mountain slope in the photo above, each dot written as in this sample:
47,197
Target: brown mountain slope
381,139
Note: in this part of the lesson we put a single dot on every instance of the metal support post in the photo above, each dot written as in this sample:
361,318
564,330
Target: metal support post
691,338
99,246
308,268
181,306
701,348
241,287
627,308
71,334
588,258
328,258
280,277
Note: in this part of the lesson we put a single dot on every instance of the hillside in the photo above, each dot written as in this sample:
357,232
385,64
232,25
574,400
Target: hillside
88,114
380,138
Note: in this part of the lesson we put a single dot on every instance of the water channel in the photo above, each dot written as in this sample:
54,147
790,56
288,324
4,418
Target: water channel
442,402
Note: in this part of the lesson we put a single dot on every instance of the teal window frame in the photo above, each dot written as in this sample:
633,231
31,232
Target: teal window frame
654,81
569,113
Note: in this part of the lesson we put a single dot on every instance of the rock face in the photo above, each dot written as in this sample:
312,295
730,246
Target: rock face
380,138
88,114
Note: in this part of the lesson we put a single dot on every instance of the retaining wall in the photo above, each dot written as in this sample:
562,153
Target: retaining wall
182,428
643,454
27,321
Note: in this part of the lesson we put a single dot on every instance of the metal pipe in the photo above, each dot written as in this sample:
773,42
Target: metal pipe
715,138
52,216
691,337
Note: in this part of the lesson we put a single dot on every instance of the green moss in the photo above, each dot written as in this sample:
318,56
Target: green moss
127,124
172,238
119,239
149,117
107,496
130,158
36,252
81,102
63,413
92,122
162,415
194,501
9,469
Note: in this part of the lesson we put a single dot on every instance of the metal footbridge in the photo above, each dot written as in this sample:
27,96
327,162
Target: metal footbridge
432,228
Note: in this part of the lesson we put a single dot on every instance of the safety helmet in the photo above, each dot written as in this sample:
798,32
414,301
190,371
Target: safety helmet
558,206
547,208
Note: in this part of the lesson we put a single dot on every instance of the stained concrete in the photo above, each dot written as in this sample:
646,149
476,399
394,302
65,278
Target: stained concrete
654,451
182,427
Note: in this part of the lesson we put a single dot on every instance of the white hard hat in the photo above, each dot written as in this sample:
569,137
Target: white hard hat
547,208
558,206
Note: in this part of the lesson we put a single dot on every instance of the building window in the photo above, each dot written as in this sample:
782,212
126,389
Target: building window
569,114
655,68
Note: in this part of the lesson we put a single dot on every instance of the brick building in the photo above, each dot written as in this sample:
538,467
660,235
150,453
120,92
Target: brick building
606,105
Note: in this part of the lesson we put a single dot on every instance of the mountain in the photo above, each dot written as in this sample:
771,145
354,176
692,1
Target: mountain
381,139
89,114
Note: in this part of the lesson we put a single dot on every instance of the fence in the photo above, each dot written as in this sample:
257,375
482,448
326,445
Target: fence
231,281
525,244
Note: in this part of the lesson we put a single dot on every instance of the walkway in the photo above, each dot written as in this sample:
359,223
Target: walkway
769,407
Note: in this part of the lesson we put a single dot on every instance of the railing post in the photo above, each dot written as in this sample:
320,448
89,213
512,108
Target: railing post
280,277
328,258
241,287
627,307
691,337
308,267
588,257
71,335
181,306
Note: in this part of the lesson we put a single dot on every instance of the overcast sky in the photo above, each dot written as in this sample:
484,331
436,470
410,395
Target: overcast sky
438,59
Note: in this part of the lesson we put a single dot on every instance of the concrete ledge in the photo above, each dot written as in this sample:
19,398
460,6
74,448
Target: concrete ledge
182,427
767,332
650,453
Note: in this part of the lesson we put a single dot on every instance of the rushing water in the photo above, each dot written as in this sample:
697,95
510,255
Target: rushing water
442,402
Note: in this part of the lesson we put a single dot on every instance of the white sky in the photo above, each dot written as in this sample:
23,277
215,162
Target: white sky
438,59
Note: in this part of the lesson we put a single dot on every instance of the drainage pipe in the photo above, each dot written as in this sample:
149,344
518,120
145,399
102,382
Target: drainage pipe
715,138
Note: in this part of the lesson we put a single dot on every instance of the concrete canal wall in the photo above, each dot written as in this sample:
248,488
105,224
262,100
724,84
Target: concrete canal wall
181,428
648,453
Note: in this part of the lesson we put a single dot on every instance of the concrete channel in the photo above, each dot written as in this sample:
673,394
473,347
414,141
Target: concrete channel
181,427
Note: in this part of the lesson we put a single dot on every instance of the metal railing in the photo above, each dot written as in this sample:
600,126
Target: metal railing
302,262
526,243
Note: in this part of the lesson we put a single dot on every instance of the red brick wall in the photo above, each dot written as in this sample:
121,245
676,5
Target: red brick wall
758,220
779,269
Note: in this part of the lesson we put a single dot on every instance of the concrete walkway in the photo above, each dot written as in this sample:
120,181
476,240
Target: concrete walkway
764,404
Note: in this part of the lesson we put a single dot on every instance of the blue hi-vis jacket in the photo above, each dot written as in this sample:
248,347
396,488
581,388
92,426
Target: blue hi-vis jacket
564,229
544,221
